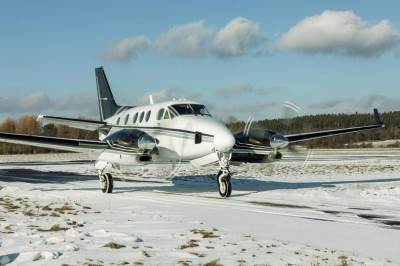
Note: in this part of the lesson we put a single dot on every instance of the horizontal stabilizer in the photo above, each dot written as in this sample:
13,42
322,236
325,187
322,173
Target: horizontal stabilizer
76,145
72,122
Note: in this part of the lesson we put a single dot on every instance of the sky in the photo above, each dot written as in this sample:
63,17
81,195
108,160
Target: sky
240,58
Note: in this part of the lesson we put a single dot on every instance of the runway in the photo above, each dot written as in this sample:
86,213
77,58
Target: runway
332,207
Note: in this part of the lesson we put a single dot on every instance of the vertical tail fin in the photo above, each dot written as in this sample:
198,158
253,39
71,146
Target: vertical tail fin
107,105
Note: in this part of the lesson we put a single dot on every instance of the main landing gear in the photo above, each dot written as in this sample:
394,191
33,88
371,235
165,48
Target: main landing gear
106,183
224,175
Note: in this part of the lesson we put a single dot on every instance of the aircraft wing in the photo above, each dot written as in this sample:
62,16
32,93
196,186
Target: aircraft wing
76,145
72,122
334,132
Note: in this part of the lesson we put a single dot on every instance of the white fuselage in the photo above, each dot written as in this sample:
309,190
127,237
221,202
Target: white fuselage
175,132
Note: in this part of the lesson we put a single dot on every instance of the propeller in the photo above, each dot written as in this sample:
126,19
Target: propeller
257,136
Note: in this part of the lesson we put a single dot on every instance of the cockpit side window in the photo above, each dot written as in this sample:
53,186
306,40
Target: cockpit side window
166,114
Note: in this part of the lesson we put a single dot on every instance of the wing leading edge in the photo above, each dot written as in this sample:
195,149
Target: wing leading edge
72,122
334,132
64,144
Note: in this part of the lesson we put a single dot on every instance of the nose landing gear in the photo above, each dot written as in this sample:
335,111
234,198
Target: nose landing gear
224,175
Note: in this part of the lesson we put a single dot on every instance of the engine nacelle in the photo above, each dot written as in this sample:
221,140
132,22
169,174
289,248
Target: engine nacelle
131,139
259,136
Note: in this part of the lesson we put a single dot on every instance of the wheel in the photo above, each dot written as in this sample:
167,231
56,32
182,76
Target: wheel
106,183
224,184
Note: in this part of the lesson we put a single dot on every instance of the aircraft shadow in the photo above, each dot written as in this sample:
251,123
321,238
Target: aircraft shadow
178,184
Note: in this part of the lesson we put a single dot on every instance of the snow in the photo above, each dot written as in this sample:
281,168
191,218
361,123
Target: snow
333,208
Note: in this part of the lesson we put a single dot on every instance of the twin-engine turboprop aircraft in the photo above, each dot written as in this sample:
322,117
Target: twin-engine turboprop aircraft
167,132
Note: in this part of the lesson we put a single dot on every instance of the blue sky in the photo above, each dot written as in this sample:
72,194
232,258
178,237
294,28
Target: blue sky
239,57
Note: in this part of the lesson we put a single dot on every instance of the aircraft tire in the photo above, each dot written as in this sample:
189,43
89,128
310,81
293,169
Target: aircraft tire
224,184
107,183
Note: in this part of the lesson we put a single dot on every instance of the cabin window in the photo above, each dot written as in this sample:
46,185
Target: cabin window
160,114
141,117
135,117
118,120
148,116
166,114
126,119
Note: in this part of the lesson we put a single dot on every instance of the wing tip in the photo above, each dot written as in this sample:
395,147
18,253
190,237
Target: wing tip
378,119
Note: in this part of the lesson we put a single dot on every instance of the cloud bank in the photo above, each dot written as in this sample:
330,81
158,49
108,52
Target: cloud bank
341,32
193,40
331,32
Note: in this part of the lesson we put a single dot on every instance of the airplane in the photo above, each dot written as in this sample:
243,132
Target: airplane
168,132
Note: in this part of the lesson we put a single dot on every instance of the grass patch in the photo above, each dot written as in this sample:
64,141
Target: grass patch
190,244
46,208
343,261
184,262
204,233
113,245
198,254
28,213
146,254
213,263
54,228
65,208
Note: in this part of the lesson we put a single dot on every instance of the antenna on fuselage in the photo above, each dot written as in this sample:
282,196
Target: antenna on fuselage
151,99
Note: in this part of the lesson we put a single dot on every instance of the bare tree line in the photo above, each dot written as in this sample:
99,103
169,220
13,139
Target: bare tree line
30,125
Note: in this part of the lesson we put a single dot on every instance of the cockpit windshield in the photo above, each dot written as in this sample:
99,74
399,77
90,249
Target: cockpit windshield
190,109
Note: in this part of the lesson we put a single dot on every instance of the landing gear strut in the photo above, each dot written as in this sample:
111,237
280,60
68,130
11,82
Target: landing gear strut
106,183
224,175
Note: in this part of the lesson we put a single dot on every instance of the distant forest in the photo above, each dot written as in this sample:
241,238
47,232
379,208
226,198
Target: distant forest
29,125
310,123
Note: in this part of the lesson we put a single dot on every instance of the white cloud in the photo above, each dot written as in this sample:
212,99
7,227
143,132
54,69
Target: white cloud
193,39
35,102
127,48
40,102
237,37
188,40
341,32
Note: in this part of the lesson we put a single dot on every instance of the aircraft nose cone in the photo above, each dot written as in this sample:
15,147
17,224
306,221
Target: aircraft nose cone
224,141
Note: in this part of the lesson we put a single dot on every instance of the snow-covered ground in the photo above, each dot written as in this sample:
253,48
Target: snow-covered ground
335,208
